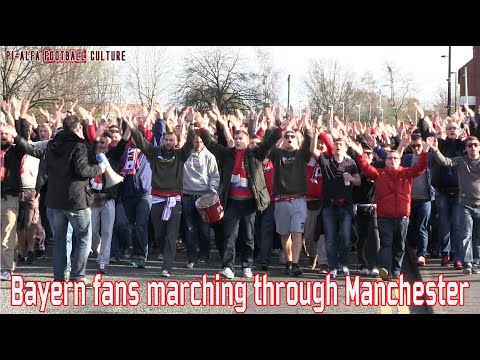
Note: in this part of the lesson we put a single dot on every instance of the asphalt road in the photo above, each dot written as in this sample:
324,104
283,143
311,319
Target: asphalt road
237,297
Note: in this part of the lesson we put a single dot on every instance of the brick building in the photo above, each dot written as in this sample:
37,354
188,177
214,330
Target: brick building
473,80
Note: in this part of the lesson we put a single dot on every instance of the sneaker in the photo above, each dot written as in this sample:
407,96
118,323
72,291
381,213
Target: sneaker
312,262
180,247
247,272
445,261
323,269
296,271
276,252
475,269
102,268
39,254
160,257
264,267
203,259
364,271
383,274
140,263
20,259
374,272
395,275
421,261
227,273
333,273
458,265
190,265
30,259
467,270
288,267
165,273
345,270
5,275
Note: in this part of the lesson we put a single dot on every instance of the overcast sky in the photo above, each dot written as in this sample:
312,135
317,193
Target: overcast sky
428,68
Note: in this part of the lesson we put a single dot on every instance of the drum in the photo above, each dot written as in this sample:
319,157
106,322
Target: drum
209,208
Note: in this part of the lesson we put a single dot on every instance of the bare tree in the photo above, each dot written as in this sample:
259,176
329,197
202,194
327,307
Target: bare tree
329,83
270,77
440,101
217,75
401,89
43,83
148,73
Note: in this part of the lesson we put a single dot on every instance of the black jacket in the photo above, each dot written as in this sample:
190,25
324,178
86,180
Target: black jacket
69,171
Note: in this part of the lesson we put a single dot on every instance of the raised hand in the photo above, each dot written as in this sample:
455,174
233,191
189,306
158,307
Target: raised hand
352,144
24,109
239,115
44,113
432,142
72,108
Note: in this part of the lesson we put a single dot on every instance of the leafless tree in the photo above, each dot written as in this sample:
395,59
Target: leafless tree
440,101
217,75
401,88
148,72
329,83
43,83
270,77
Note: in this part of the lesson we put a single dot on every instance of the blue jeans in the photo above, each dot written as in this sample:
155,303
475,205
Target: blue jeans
417,233
122,232
470,234
194,229
264,230
337,224
393,233
81,224
138,214
239,213
68,239
448,209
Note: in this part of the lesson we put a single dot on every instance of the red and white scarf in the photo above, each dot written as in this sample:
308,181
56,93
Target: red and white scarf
132,162
3,169
97,182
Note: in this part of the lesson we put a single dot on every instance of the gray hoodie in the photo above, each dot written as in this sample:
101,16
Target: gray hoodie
200,173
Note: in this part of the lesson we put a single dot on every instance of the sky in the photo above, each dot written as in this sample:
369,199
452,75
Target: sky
425,63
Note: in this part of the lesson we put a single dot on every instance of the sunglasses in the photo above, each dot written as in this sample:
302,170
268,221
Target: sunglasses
393,158
289,136
471,145
416,146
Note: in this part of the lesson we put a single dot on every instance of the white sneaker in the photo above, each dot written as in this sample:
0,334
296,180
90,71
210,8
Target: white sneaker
345,270
247,272
227,273
383,274
165,273
365,271
375,272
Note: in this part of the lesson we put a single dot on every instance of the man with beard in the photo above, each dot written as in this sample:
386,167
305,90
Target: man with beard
167,165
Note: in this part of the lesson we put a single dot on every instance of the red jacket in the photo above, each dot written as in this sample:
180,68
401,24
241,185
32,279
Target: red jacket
393,188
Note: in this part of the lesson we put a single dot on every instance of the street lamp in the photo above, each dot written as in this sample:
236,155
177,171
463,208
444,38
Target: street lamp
331,116
359,107
343,110
449,89
381,111
456,85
